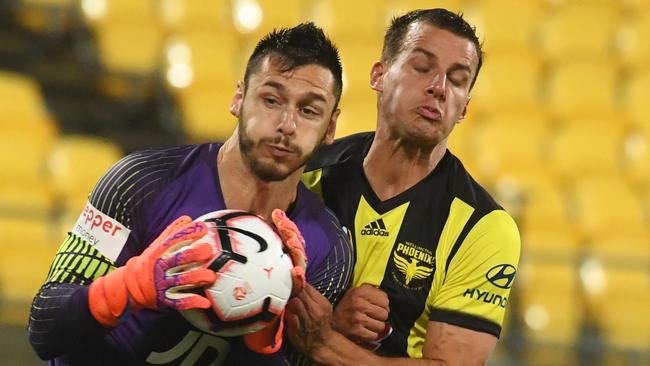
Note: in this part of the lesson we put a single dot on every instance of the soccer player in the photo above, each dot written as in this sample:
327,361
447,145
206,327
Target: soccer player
107,300
435,254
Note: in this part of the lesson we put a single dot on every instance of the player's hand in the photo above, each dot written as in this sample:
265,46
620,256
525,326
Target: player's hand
157,277
308,319
362,313
294,244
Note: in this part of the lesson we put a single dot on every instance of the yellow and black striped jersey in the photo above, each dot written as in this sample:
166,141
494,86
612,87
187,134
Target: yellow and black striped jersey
442,250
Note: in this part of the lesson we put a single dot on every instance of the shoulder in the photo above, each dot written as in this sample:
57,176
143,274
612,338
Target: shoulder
340,151
141,175
319,226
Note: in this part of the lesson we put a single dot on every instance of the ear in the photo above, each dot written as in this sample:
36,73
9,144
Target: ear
331,129
464,113
237,99
377,76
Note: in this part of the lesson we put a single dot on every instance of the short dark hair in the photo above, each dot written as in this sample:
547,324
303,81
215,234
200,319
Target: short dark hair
304,44
439,18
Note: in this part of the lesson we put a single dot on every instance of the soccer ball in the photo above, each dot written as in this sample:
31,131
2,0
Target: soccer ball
254,275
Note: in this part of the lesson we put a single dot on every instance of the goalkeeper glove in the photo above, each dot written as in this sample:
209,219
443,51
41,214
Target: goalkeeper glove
156,278
269,339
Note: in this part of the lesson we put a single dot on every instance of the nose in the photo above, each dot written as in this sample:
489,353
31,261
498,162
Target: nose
287,125
438,86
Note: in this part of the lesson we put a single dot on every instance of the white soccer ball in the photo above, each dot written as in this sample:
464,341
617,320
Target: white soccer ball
254,275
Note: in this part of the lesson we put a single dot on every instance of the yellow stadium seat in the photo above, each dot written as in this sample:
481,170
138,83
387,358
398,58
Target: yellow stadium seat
370,19
207,15
23,153
621,303
206,114
356,117
27,251
119,11
35,199
607,205
129,48
509,25
581,29
511,142
508,82
583,89
622,246
76,164
27,108
399,7
357,59
549,303
588,146
274,14
634,37
636,148
544,221
636,98
211,57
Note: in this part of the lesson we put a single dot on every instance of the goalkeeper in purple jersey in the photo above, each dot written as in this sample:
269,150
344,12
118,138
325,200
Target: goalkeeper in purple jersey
107,297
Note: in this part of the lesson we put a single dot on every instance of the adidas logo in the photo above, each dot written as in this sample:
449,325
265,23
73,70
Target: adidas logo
375,228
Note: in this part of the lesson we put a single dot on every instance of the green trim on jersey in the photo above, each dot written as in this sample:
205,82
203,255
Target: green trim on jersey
443,250
78,262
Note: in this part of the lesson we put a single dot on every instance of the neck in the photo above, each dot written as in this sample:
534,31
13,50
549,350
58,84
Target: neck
393,165
243,190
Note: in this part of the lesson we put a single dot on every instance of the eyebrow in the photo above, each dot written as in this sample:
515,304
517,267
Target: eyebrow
431,56
280,87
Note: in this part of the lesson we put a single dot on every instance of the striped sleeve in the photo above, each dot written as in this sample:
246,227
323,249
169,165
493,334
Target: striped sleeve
60,322
333,275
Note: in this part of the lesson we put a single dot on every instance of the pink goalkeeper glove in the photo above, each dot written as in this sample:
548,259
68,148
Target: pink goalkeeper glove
156,278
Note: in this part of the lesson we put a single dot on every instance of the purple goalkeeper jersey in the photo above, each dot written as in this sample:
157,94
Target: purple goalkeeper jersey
127,209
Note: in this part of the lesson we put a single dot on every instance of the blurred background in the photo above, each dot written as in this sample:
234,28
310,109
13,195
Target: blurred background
558,131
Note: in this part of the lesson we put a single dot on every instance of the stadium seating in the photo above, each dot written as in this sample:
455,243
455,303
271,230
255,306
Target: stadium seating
508,82
592,37
76,163
549,305
558,130
568,85
28,247
636,94
622,307
607,205
195,15
509,26
587,146
511,142
633,37
369,19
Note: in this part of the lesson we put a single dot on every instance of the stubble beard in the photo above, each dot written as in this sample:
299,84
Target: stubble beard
268,172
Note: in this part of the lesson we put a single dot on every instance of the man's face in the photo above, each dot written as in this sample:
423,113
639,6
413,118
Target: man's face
424,91
284,117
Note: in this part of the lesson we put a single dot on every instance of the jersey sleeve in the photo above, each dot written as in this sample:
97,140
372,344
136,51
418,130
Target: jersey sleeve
332,276
478,278
60,321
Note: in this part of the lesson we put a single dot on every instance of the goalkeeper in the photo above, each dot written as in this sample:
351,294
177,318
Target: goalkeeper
110,298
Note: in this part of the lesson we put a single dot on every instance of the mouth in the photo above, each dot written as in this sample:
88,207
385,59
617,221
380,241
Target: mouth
279,151
429,113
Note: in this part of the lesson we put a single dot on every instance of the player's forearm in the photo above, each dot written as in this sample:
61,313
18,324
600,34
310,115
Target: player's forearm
60,320
340,351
